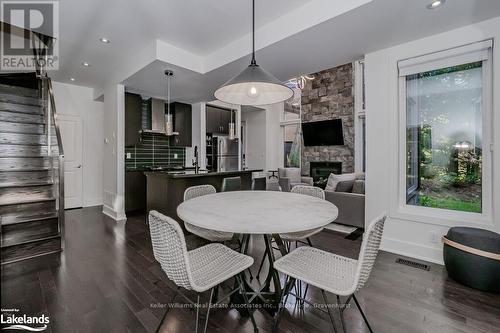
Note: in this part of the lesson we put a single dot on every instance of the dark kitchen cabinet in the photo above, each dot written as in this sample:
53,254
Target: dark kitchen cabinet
217,120
133,121
182,114
135,191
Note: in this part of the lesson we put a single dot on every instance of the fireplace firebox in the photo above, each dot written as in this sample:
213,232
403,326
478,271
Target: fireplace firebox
320,171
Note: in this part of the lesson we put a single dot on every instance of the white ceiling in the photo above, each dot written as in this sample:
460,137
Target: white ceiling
204,28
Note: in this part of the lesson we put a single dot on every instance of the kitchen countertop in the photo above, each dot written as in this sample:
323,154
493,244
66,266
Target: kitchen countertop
192,174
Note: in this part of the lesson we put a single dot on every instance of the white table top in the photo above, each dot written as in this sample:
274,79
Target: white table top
257,212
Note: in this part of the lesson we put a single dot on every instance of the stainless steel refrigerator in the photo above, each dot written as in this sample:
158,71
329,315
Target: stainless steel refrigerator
225,153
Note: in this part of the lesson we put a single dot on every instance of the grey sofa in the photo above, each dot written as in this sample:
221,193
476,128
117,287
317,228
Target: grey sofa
351,205
289,177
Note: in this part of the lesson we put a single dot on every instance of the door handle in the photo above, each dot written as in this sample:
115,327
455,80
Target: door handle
79,166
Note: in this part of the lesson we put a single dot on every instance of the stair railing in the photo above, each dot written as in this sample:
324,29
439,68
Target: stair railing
47,95
52,115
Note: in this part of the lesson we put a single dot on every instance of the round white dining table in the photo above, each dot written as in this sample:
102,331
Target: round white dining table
267,213
257,212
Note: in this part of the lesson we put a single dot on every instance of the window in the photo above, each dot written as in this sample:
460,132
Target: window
446,129
291,148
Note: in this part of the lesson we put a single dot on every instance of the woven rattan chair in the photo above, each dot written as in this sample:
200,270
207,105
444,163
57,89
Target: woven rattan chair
199,270
301,236
211,235
304,235
330,272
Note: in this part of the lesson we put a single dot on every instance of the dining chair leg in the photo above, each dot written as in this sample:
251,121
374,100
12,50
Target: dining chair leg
328,309
362,313
289,283
244,294
341,310
197,311
214,294
208,310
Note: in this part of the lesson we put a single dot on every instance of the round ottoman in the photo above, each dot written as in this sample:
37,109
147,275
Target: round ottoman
472,257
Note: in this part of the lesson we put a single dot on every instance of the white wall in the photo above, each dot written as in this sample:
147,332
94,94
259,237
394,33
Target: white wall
114,151
415,236
255,154
274,140
78,101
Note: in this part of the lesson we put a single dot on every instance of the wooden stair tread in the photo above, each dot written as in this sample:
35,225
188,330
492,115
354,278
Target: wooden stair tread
20,99
21,108
25,201
30,239
16,117
26,184
16,164
7,150
18,91
34,218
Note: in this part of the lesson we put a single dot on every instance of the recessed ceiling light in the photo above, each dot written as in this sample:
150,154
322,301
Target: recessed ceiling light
104,40
435,4
72,79
86,64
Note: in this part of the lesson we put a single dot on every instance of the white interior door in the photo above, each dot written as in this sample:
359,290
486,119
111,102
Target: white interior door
71,133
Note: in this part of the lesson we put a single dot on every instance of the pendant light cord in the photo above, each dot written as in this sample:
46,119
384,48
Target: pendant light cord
168,94
253,33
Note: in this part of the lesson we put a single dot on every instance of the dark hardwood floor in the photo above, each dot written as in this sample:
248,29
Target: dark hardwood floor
106,280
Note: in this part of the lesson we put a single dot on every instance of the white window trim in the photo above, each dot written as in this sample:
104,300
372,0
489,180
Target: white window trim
400,209
359,115
284,123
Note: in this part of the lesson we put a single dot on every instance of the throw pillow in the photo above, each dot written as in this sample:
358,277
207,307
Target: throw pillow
358,186
334,179
345,186
293,174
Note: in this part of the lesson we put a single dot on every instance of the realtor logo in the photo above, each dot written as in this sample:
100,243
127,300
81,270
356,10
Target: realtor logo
29,34
11,319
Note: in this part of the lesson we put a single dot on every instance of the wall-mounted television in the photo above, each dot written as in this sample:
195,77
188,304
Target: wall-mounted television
323,133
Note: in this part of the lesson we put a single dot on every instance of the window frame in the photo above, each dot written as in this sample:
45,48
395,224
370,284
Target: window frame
359,116
283,124
442,216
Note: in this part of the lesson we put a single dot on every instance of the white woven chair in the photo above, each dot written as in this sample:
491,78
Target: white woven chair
304,235
330,272
201,269
211,235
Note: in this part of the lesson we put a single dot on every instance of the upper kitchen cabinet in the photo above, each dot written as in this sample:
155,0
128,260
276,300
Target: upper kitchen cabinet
133,120
182,124
218,120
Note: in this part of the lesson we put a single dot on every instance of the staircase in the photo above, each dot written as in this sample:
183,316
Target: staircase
31,171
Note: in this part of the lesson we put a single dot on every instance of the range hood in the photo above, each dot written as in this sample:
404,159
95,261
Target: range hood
157,118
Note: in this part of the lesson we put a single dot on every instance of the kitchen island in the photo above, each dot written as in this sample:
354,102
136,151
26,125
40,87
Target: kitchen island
165,189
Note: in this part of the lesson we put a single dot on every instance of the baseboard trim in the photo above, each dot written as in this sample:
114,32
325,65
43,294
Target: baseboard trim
93,202
412,250
117,216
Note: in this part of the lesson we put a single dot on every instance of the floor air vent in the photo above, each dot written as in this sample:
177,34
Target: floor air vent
413,264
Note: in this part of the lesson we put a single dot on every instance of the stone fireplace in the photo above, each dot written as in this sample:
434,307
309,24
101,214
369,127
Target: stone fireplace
330,96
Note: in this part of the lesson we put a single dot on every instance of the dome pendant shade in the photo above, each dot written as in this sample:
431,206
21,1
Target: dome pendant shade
253,86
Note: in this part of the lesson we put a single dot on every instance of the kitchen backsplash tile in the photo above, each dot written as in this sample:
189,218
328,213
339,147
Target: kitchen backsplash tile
154,150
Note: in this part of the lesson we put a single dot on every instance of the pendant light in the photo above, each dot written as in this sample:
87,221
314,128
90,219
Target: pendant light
169,125
232,134
254,85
